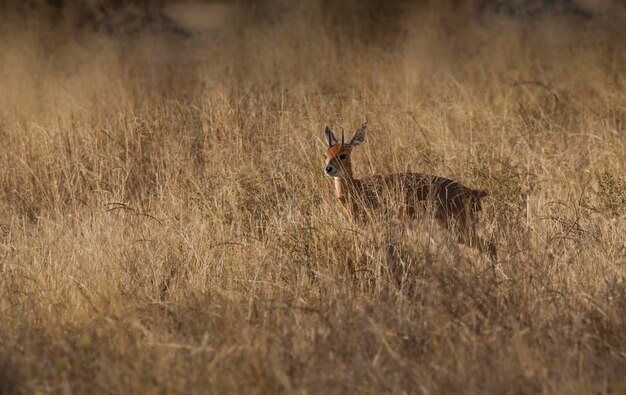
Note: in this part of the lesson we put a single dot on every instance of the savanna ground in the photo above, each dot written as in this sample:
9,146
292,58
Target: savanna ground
166,227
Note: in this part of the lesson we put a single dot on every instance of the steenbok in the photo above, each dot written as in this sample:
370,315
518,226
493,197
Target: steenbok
405,196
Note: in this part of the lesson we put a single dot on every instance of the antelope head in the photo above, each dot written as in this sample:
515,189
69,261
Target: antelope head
338,153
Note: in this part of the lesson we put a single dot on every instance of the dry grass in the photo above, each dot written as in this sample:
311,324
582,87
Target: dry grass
165,225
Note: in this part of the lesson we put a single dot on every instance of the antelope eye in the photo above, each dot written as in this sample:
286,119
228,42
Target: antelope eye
343,156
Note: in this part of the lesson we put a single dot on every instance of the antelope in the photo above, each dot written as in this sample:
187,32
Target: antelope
405,195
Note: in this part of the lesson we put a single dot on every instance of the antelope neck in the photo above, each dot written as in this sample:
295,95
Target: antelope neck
344,186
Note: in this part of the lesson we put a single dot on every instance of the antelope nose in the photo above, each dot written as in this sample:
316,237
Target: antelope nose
329,169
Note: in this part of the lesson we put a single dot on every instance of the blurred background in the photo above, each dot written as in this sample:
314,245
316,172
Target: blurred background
326,43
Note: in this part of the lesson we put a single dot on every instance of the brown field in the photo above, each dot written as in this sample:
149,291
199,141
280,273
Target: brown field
166,226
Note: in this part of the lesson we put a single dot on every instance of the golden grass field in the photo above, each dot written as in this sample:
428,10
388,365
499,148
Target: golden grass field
166,226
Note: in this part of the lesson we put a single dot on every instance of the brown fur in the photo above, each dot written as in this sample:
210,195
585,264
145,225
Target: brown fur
407,196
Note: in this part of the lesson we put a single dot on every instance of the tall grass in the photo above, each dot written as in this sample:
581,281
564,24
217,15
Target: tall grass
165,225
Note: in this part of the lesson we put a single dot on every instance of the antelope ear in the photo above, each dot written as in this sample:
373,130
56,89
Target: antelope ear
330,137
359,135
